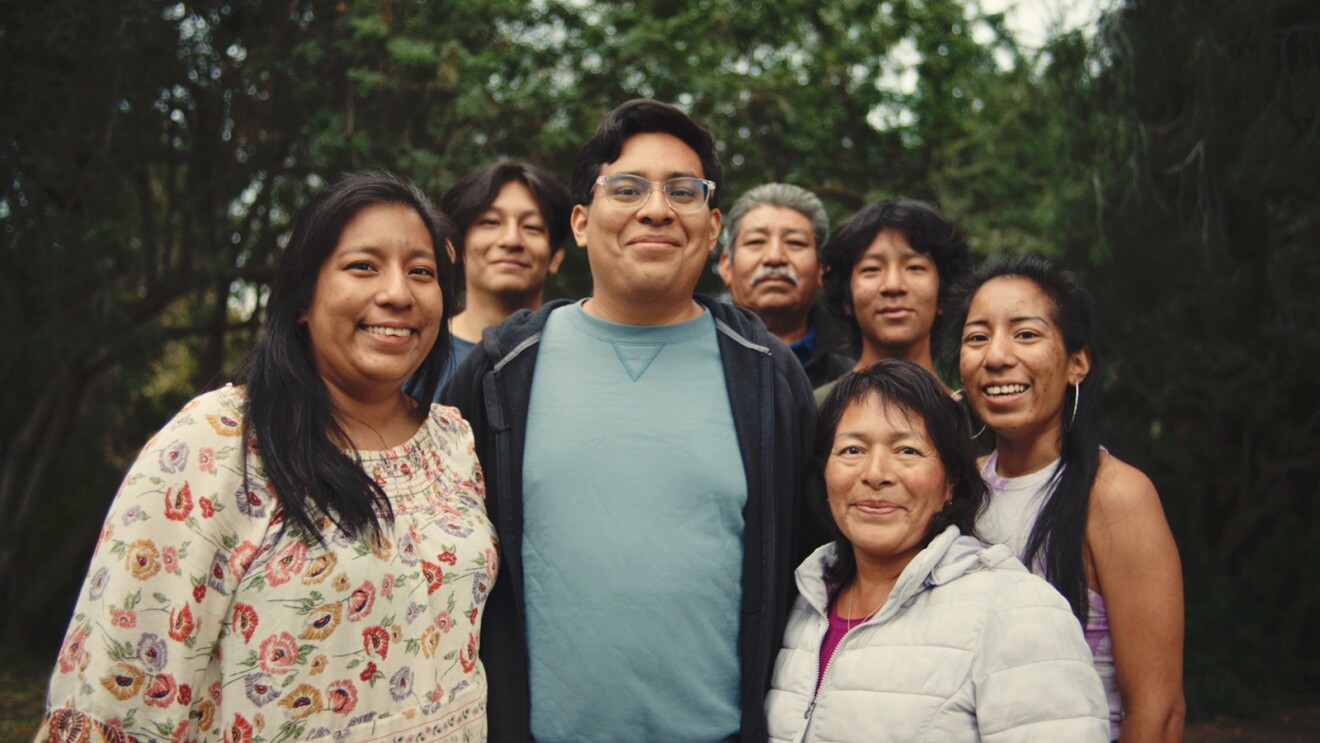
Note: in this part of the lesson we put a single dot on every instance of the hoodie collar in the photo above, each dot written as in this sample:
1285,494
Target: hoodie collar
949,556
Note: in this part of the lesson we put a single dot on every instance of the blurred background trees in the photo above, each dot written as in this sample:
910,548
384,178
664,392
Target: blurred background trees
152,156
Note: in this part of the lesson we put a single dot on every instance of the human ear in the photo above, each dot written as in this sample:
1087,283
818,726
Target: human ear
578,219
725,266
1079,365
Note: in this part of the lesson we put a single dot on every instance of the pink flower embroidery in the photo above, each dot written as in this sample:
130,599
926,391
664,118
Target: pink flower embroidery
444,622
169,559
361,601
278,653
160,690
342,696
206,459
288,562
240,559
71,654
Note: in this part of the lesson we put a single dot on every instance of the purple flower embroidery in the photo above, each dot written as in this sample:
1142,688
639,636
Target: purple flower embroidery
219,573
414,609
133,514
401,684
261,688
479,589
174,457
252,499
407,550
153,652
98,583
454,528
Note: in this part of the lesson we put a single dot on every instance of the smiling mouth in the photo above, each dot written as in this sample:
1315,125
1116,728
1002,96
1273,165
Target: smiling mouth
1000,390
652,241
380,330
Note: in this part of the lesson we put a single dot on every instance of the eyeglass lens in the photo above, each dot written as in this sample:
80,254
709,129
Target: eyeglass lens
684,194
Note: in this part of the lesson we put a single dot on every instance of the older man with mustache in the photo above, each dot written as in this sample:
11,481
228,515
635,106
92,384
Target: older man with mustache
771,265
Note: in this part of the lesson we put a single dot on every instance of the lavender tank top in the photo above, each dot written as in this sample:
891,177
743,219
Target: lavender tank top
1015,504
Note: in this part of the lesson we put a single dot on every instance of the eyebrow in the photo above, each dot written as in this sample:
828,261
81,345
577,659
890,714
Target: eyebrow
783,230
413,251
522,213
894,438
1011,320
672,174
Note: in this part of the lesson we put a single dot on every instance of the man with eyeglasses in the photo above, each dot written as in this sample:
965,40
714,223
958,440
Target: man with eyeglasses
644,452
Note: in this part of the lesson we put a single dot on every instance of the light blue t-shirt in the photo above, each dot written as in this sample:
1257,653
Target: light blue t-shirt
632,548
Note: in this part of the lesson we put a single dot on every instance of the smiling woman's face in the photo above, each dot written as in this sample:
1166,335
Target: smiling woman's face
377,306
885,480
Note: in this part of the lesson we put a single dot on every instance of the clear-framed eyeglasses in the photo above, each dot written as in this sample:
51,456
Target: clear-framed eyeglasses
685,195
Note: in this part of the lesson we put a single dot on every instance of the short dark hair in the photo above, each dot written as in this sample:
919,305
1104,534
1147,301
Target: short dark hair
473,194
926,230
289,413
919,394
642,116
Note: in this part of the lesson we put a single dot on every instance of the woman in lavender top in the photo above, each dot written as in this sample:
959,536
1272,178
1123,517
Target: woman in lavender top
1070,510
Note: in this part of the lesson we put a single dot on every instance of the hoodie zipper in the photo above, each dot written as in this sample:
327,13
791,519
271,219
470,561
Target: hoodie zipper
876,619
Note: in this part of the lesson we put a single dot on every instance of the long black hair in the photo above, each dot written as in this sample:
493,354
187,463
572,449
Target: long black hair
289,417
919,394
1059,535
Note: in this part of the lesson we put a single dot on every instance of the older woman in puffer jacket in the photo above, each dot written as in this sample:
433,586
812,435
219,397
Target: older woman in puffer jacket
907,628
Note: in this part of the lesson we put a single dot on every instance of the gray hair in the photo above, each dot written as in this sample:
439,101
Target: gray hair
782,195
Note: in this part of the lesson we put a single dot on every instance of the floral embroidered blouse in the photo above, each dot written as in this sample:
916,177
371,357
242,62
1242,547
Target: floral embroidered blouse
203,619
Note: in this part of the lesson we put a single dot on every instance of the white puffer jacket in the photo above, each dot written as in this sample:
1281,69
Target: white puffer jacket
969,646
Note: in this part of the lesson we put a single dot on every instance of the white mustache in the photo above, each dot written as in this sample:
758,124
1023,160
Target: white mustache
774,272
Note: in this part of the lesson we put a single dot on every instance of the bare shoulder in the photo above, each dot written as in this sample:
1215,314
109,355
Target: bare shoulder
1120,486
1123,498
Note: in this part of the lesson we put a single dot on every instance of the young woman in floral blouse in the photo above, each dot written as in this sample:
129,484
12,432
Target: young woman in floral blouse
305,557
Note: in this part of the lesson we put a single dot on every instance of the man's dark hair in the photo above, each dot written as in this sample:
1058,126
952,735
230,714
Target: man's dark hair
473,194
642,116
926,230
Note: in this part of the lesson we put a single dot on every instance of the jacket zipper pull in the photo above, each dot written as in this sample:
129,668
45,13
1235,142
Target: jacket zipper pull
807,715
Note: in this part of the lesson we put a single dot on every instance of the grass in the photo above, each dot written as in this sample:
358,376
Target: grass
22,698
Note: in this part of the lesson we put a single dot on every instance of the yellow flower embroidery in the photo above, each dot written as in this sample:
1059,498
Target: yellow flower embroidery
143,559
